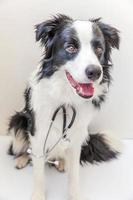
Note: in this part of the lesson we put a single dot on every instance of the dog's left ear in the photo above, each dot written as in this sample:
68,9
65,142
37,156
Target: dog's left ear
112,40
111,35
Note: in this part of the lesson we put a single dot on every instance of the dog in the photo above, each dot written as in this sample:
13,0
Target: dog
75,73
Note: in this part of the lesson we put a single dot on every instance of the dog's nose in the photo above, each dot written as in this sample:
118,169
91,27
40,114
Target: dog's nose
93,72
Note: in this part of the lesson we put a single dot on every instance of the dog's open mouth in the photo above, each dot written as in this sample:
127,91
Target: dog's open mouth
85,90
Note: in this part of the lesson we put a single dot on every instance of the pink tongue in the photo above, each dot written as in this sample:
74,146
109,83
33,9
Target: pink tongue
85,89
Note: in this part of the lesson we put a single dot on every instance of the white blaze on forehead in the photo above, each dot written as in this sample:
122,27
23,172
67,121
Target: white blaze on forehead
84,31
85,34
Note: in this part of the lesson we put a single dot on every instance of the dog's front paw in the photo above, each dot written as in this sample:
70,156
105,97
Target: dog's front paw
38,196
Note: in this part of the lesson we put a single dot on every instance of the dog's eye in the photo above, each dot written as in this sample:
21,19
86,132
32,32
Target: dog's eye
71,49
98,51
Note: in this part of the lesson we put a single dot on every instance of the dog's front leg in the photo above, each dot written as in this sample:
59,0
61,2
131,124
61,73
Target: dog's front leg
42,122
38,169
73,156
39,179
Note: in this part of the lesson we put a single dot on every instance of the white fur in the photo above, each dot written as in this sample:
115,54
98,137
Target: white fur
45,99
112,141
47,95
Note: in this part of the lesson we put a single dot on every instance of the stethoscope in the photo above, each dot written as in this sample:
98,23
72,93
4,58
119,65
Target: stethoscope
64,135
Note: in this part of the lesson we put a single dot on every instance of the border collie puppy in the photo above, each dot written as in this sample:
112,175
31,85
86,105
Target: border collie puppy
75,73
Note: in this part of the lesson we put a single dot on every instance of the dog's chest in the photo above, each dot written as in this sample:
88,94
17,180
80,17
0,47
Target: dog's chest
46,97
75,136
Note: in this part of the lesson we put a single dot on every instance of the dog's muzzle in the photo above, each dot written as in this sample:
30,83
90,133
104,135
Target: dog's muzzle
85,90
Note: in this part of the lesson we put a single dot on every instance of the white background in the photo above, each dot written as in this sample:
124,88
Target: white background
19,54
106,181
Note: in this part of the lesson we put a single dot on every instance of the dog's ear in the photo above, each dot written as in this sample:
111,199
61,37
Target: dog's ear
42,30
112,40
45,31
111,35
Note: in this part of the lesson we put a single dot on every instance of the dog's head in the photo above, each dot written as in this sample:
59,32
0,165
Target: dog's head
81,48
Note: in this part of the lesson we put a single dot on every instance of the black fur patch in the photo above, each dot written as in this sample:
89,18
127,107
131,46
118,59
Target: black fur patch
96,149
112,40
111,35
28,111
47,69
19,121
106,74
99,100
24,120
27,97
10,150
56,34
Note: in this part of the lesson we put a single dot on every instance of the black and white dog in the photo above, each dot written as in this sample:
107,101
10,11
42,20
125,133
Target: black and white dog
75,73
